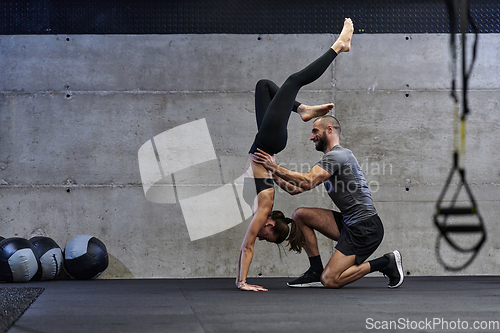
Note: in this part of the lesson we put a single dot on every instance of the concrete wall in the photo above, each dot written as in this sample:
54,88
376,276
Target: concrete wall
75,110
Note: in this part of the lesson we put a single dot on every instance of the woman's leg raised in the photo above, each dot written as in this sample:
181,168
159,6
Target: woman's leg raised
272,135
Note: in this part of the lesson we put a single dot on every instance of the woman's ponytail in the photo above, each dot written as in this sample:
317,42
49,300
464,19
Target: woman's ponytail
296,239
292,234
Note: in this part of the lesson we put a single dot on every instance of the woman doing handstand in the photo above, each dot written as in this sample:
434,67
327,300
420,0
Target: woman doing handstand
273,106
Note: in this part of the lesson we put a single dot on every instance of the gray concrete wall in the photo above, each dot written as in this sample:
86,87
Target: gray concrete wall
75,110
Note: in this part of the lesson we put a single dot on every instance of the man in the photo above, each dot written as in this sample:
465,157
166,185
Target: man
357,228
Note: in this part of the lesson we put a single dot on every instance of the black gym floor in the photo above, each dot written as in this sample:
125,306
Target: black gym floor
460,303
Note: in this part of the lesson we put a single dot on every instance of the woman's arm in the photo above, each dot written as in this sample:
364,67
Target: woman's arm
265,201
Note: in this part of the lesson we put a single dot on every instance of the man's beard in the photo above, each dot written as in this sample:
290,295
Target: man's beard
322,143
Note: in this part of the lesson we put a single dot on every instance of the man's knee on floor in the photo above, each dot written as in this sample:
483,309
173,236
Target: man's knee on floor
330,281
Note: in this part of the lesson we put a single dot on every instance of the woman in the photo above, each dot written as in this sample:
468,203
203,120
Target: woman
273,106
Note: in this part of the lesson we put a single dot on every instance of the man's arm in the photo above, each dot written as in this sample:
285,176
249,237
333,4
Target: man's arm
286,186
304,181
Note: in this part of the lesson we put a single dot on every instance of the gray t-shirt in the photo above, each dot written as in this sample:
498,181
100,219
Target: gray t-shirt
347,186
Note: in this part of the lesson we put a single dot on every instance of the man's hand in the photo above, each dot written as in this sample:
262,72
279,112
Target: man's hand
264,159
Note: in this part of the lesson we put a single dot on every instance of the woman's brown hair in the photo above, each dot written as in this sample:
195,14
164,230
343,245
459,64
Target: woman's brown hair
293,235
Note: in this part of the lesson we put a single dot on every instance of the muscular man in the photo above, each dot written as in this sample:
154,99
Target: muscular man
357,228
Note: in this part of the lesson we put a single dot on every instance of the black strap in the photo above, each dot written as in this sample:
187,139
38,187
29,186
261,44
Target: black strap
446,211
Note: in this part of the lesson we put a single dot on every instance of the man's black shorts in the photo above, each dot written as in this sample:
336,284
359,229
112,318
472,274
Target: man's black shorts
361,239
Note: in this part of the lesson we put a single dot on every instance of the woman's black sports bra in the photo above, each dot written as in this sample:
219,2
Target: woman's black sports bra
253,186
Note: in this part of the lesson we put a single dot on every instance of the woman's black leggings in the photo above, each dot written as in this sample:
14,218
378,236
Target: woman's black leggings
273,105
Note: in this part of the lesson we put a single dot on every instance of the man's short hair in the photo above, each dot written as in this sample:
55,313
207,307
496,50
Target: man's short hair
330,120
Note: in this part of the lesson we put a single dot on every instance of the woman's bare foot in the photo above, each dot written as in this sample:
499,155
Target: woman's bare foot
308,112
343,43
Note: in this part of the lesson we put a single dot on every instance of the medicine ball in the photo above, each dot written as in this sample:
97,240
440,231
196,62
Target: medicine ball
51,257
19,260
85,257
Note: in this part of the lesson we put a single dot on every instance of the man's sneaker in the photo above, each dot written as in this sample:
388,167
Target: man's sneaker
308,279
394,271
